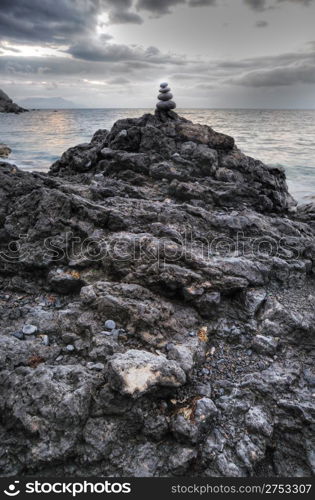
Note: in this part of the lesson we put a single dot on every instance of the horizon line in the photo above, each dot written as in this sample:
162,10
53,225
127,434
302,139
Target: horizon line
183,108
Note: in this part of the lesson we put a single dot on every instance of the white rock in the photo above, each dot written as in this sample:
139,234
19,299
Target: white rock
135,372
29,329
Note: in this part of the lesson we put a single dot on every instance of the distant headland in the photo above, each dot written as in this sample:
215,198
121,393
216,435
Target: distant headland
8,106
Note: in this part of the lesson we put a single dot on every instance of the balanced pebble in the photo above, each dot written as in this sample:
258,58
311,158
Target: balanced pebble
164,91
165,105
29,329
165,98
110,324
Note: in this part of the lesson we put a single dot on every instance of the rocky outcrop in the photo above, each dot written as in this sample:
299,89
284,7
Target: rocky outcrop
8,106
5,151
157,310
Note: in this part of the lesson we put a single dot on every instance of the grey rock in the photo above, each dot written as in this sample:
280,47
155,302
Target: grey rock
205,410
5,151
70,348
181,459
156,427
29,329
87,295
136,372
258,421
214,444
188,355
254,300
167,96
204,390
207,304
166,105
227,467
110,324
249,452
154,253
8,106
264,345
45,340
192,430
18,335
99,367
65,282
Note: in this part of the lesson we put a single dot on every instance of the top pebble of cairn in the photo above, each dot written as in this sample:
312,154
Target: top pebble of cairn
165,103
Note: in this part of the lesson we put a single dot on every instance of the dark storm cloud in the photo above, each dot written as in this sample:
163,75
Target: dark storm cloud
110,52
201,3
93,51
119,12
158,7
116,17
298,2
44,20
284,77
161,7
256,4
261,5
120,62
61,68
261,24
58,22
119,4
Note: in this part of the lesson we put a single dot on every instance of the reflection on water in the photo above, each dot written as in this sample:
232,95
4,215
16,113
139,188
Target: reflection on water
276,137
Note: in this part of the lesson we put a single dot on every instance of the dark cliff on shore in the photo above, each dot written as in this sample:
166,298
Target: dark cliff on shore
8,106
157,310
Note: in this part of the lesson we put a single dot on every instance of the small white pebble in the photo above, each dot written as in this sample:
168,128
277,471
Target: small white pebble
29,329
110,324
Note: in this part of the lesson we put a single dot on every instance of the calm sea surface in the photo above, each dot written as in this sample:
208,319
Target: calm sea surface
284,138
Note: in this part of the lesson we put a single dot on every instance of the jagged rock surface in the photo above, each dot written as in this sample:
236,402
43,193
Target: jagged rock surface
8,106
200,257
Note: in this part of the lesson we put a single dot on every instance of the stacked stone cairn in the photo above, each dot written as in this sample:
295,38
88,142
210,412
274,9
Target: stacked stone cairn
165,102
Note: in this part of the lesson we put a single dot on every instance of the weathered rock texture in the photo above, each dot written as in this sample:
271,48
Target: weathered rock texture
201,258
8,106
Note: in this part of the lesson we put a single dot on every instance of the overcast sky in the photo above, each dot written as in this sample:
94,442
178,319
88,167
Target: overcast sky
114,53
